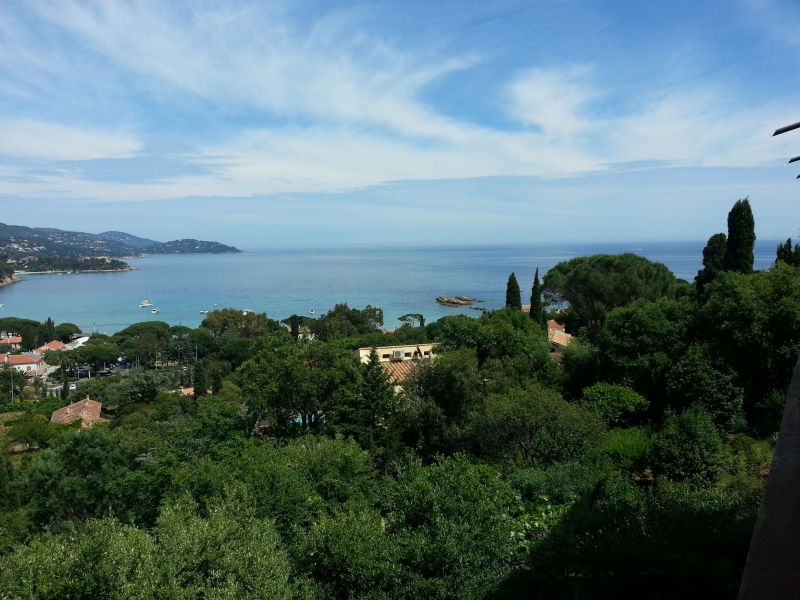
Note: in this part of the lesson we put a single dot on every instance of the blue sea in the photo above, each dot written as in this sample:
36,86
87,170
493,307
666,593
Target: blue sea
283,282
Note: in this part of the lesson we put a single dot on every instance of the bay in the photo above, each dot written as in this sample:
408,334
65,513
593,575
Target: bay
282,282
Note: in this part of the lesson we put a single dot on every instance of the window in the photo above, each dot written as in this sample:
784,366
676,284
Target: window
408,354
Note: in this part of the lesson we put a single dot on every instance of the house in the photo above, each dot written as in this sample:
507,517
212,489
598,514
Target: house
398,353
54,345
87,411
11,340
553,325
398,361
27,363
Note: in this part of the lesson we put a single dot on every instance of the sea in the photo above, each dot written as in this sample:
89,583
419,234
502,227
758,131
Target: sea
282,282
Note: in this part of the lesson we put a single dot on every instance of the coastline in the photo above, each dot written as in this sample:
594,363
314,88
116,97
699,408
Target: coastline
9,281
70,271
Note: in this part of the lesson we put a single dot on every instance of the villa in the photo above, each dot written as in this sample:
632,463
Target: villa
87,411
398,361
27,363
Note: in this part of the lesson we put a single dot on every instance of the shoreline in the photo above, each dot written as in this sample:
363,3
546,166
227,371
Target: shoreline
9,281
74,271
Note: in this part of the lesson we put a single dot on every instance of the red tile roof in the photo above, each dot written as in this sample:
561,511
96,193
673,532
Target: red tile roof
399,371
11,339
553,325
20,359
88,411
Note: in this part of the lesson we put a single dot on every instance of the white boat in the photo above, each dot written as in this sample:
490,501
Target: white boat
203,312
155,311
145,303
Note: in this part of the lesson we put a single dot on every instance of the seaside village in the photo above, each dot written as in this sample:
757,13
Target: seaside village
398,361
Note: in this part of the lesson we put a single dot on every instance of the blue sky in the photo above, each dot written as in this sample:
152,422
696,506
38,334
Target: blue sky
315,123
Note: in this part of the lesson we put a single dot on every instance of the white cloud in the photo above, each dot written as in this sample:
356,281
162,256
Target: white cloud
555,100
39,140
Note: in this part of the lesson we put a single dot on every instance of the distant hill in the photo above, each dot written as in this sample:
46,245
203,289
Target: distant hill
127,239
17,242
189,246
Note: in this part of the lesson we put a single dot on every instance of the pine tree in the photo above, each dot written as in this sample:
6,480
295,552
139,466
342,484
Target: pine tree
513,297
537,310
713,261
741,238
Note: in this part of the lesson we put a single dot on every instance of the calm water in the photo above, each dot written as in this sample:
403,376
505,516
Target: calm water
283,282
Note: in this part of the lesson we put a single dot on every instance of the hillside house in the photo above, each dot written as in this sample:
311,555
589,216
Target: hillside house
87,411
398,361
27,363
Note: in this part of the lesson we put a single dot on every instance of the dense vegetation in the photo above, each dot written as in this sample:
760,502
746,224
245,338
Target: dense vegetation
74,265
632,466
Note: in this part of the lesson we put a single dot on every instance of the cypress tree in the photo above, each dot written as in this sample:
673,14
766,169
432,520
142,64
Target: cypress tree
713,260
741,238
537,310
200,380
294,326
787,254
513,297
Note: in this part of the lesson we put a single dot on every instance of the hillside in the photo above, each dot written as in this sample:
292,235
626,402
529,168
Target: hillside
189,246
17,242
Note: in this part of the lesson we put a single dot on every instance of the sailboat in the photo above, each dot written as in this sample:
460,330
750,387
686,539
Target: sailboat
145,303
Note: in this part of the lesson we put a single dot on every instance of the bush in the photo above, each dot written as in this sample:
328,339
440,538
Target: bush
627,449
615,404
688,448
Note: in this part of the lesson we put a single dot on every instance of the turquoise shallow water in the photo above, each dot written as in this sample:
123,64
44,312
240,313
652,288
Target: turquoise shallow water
283,282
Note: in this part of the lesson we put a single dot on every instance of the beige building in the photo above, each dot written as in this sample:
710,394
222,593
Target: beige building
398,361
398,353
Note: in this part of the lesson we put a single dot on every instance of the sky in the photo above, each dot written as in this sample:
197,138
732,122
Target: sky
282,124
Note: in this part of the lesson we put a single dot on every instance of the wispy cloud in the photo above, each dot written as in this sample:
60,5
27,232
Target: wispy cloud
265,102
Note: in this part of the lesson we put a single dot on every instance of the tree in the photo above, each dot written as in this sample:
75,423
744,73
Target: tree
294,326
200,379
412,320
537,310
513,298
451,523
786,254
741,238
358,415
615,404
594,285
713,261
688,447
534,426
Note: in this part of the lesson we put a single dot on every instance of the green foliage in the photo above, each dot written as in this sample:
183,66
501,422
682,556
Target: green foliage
628,449
65,331
667,541
352,555
741,238
359,414
688,448
752,323
226,552
452,522
615,404
640,343
343,321
713,261
513,299
244,324
594,285
786,254
695,379
536,311
76,478
559,482
535,426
